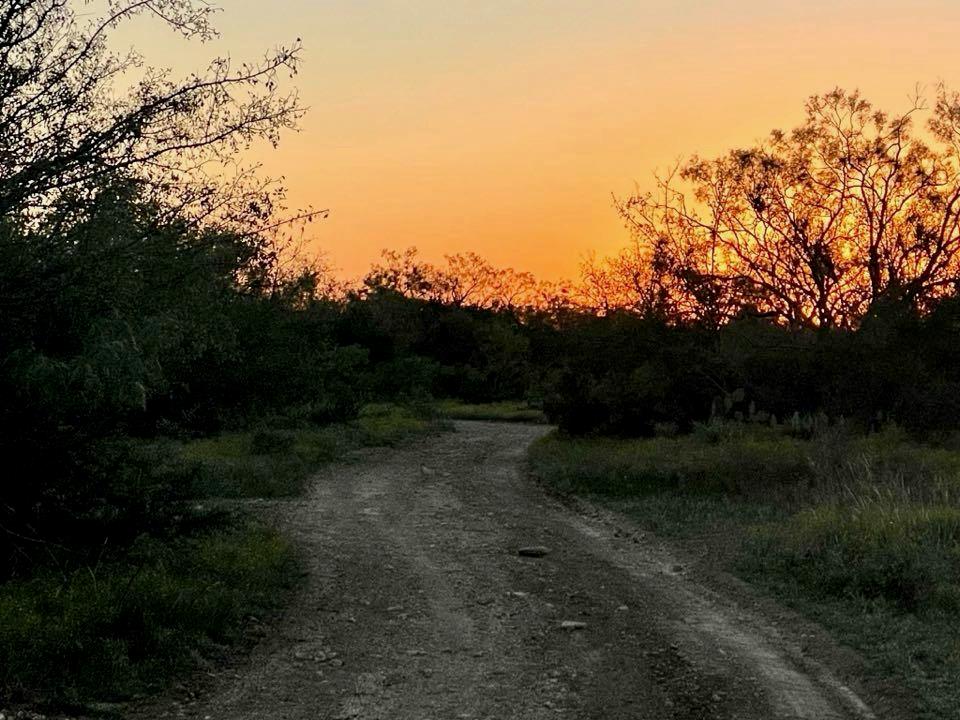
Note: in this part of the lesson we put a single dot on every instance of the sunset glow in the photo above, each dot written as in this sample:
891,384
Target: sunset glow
502,128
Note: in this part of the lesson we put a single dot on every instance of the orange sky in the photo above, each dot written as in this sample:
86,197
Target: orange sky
503,126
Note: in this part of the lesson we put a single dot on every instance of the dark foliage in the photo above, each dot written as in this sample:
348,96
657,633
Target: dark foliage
624,374
427,347
121,324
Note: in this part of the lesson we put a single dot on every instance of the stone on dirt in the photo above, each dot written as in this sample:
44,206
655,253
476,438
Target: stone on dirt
535,551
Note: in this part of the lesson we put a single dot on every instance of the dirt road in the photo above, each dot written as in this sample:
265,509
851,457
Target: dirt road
417,606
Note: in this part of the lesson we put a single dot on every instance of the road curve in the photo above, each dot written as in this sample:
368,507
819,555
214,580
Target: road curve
417,606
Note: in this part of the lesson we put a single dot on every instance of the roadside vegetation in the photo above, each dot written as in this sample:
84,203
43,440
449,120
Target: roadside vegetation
179,593
116,630
860,532
504,411
277,462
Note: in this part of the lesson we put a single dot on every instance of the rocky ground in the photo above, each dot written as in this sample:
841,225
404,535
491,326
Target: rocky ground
444,584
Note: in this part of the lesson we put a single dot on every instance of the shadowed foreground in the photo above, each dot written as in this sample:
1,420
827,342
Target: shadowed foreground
418,606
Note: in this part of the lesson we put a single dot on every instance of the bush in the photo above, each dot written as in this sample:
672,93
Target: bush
623,374
110,491
626,375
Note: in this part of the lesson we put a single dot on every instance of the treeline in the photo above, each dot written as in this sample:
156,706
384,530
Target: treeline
814,273
140,299
149,328
632,370
626,372
628,375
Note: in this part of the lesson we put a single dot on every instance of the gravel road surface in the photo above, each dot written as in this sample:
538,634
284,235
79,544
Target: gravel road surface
417,605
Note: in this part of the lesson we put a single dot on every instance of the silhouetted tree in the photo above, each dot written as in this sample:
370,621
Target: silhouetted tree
465,280
812,226
134,247
66,120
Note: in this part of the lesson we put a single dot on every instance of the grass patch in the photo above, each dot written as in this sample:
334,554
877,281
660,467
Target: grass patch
904,555
266,464
271,463
505,411
861,533
386,424
124,629
604,466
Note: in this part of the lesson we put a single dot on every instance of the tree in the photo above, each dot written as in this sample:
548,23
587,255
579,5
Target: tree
132,242
465,280
634,279
66,123
813,226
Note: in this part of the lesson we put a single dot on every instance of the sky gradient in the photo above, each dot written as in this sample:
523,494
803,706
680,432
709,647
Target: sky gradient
502,127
